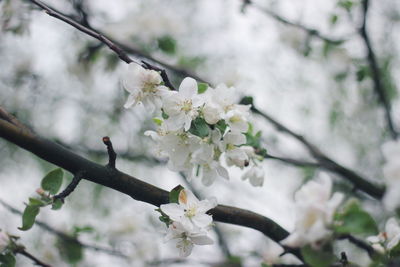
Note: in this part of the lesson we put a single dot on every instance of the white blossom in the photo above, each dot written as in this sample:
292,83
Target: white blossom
314,213
4,241
186,239
144,87
386,240
255,175
237,118
182,107
190,212
391,174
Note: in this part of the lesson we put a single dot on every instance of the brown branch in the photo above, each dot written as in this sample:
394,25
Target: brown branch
112,156
378,83
129,185
63,235
71,187
35,260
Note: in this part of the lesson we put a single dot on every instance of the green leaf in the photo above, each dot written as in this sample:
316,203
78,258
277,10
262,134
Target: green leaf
52,181
37,202
164,115
353,219
7,260
158,121
199,127
167,44
174,194
201,87
83,229
346,4
333,19
57,204
395,251
247,100
70,251
221,125
316,258
28,217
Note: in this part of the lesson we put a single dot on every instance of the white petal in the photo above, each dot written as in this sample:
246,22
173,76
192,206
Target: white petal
188,88
201,240
202,220
173,210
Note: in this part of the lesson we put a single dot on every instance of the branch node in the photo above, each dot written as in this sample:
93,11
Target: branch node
112,156
70,188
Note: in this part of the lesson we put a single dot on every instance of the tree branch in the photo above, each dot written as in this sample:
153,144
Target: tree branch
310,31
378,83
129,185
102,38
325,162
35,260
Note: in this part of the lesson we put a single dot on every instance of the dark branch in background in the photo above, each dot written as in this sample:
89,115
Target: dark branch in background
35,260
359,243
325,162
376,74
310,31
295,162
71,187
102,38
129,185
65,236
112,156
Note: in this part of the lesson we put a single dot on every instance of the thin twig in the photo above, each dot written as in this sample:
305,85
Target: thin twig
71,187
102,38
359,243
112,156
324,161
63,235
35,260
379,86
281,19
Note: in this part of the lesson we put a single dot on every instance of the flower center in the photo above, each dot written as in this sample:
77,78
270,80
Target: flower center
187,105
190,212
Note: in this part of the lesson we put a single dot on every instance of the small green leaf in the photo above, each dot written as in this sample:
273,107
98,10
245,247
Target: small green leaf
395,251
28,217
167,44
158,121
36,202
201,87
221,126
317,258
164,115
174,194
333,19
52,181
57,204
346,4
7,260
247,100
353,219
199,127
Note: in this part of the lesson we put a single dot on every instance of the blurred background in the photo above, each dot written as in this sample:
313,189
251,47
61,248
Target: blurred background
304,62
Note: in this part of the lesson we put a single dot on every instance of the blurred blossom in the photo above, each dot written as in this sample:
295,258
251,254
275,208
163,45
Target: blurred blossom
314,208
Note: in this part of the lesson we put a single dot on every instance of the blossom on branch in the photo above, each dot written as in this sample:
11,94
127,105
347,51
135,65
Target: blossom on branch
315,209
386,240
145,86
188,222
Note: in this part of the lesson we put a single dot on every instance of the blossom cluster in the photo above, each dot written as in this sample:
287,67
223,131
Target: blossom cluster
188,222
315,209
198,126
